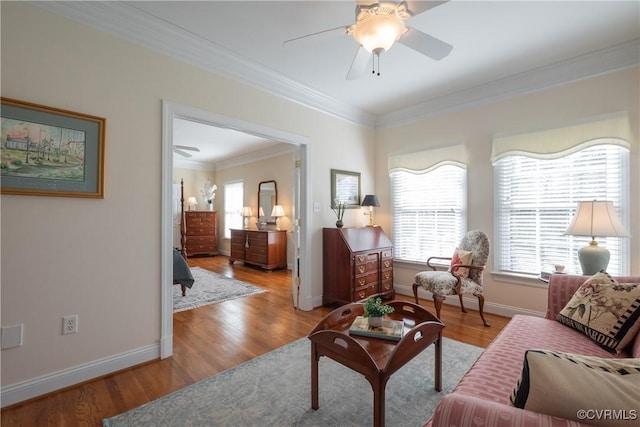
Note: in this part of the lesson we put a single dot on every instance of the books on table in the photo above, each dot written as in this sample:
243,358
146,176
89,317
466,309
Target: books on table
390,329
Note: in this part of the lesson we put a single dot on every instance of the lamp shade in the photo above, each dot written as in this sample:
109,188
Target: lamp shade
191,201
596,219
370,200
277,211
379,32
246,211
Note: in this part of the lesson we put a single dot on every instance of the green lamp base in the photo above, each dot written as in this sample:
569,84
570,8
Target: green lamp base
593,258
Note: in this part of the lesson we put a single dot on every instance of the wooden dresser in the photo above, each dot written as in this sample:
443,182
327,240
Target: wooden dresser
265,248
200,235
357,264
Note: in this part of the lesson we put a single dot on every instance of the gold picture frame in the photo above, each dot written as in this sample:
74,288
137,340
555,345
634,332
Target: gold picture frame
47,151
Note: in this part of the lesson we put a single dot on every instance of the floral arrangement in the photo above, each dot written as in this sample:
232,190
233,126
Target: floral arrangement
339,209
375,308
209,191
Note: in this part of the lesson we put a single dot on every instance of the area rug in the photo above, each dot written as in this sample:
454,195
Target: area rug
275,390
210,288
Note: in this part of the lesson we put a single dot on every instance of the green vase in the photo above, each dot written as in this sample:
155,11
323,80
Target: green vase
339,223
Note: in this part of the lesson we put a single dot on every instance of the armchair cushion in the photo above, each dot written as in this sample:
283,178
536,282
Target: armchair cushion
463,257
437,282
606,311
566,385
443,283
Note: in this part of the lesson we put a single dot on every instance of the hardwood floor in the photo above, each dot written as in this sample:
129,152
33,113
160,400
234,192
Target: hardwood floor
209,340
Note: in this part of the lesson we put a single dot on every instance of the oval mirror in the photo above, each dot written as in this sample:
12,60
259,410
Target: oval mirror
267,199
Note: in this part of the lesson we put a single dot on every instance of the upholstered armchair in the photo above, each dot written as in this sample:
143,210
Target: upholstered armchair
464,276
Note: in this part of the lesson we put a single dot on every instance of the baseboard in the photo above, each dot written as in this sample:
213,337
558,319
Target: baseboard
39,386
471,303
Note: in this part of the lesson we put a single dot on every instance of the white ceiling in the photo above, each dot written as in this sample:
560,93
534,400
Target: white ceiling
218,146
500,49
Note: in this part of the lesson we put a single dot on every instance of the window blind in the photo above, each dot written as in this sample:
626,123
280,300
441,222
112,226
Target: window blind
233,203
537,198
429,211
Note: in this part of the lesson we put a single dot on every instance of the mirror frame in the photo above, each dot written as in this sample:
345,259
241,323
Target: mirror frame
267,215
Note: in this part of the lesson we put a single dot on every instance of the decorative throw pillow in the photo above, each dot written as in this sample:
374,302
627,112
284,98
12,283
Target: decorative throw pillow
604,310
461,257
593,390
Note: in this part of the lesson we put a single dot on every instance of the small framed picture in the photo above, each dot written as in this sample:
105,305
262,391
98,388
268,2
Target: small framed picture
345,187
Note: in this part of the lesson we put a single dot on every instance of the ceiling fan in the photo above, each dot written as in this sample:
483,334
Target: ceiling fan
179,149
378,25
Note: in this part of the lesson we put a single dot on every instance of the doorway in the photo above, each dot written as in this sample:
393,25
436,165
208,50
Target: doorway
301,237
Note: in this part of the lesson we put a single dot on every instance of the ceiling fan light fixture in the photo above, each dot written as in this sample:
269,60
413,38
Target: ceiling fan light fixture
379,31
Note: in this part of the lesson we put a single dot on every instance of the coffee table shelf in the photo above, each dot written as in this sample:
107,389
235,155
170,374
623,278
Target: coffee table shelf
375,358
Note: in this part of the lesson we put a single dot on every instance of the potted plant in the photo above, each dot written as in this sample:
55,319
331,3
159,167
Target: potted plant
339,211
374,310
209,193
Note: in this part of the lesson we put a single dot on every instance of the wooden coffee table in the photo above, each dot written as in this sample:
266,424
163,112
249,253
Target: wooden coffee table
375,358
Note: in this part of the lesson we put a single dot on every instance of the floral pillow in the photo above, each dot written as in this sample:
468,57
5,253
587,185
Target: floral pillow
461,257
606,311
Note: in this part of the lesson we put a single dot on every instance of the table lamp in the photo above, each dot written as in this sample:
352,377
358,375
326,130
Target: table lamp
277,212
370,200
595,218
192,202
246,213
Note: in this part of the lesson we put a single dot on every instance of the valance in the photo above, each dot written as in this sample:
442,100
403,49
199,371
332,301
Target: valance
423,161
553,143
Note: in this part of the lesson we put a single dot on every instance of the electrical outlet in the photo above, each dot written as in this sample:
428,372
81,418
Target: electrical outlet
70,324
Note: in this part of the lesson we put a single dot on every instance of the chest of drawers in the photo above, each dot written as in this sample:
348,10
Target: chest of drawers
264,248
200,233
357,264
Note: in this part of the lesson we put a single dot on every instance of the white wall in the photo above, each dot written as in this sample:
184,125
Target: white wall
101,259
194,180
475,128
279,169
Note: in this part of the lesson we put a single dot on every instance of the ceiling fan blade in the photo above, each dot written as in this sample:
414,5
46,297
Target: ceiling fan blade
416,7
186,147
425,44
359,64
315,37
182,153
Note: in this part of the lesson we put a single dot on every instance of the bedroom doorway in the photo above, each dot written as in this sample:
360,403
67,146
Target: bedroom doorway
300,185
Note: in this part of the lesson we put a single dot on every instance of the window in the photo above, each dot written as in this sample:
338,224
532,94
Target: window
429,211
536,199
233,202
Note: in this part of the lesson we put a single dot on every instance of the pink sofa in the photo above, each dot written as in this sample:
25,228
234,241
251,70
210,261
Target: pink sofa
481,398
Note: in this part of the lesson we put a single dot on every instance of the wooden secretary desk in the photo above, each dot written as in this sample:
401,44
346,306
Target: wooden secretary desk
357,264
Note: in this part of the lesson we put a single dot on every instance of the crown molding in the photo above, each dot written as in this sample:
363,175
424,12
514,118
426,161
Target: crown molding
255,156
129,23
179,162
243,159
604,61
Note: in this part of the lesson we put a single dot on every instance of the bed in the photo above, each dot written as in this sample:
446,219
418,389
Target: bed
181,272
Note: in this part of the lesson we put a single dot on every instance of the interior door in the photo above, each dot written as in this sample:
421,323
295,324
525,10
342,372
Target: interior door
295,283
175,219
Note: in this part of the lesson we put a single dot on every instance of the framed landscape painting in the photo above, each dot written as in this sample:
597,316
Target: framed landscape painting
50,152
